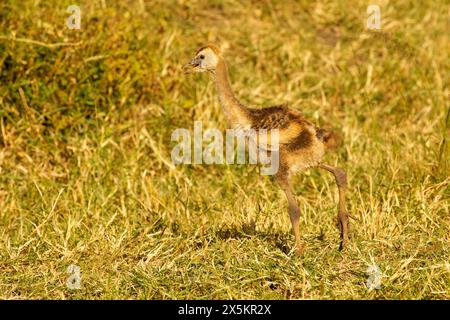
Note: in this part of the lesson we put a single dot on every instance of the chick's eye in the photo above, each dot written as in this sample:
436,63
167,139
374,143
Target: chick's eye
202,57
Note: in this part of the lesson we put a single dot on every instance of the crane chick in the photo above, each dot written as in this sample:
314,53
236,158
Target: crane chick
301,144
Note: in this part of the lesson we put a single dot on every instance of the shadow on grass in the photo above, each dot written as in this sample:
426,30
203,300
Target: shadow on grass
279,240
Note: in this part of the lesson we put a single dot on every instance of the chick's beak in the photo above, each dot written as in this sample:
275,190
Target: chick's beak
190,67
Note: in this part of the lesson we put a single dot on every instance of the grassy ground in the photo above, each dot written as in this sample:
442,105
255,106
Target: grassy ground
85,171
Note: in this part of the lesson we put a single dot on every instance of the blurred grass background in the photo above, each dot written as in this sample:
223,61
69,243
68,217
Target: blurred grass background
85,175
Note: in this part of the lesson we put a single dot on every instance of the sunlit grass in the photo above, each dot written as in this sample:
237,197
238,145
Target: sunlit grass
85,172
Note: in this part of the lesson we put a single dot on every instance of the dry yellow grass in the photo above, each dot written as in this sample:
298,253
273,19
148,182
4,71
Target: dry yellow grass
85,171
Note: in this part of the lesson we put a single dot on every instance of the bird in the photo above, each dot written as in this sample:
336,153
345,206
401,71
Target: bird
302,145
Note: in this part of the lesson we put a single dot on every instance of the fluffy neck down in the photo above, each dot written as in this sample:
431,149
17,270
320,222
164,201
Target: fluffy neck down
235,112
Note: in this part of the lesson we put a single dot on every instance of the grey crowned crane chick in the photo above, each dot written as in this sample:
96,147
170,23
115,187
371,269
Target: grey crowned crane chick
302,145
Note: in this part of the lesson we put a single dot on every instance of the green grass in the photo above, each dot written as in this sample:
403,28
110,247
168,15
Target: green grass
85,172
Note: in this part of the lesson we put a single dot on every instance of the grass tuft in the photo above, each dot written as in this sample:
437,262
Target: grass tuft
86,118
